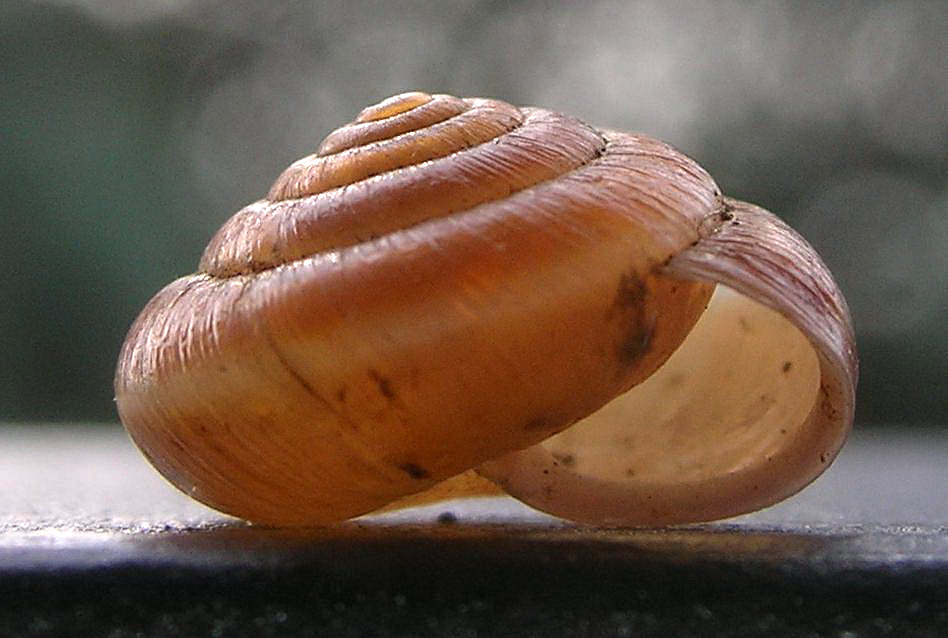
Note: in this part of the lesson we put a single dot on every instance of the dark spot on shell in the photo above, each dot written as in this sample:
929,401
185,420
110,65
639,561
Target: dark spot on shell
629,305
823,457
787,365
745,326
383,383
413,470
630,472
567,459
447,518
631,293
341,394
635,346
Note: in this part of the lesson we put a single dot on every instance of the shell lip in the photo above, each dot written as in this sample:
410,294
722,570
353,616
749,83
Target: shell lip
752,252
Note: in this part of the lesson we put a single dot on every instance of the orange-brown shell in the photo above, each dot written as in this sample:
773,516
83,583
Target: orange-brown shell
447,281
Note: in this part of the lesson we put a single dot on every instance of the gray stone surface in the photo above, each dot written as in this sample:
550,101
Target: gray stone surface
93,541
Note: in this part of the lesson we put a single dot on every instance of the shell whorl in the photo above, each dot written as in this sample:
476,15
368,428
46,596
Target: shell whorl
417,158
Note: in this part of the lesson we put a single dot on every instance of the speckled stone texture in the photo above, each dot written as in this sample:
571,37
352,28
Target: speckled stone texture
93,542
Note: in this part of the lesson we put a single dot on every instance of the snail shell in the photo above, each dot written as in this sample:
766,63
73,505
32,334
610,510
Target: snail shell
451,284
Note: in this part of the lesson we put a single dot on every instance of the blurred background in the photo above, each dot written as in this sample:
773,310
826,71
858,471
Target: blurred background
131,129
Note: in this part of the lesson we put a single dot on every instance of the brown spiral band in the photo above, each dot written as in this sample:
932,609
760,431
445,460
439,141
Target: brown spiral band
484,154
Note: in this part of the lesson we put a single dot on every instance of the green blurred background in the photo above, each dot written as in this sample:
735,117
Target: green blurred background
131,130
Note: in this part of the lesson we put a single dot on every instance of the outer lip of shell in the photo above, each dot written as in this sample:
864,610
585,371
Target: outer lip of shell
784,447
